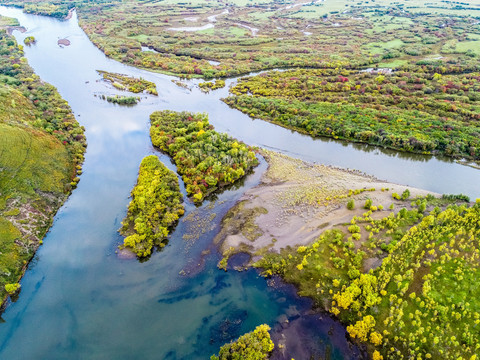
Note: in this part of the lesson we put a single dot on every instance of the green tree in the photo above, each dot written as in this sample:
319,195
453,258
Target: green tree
255,345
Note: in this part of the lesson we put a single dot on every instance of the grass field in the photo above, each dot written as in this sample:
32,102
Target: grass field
40,155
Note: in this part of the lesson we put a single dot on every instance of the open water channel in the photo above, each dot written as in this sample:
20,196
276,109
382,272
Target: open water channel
79,300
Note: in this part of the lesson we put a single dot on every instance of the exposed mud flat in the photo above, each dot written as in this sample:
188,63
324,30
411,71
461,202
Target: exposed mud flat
296,201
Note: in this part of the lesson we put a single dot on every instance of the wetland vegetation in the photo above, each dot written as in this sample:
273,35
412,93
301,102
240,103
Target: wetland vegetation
154,210
255,345
206,159
41,154
402,75
128,83
212,39
427,109
396,280
122,100
394,264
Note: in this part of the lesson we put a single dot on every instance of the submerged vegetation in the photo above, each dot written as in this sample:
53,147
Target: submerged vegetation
154,210
415,109
129,83
206,159
41,152
255,345
397,280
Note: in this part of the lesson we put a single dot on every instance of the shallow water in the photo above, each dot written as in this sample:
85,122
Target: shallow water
79,300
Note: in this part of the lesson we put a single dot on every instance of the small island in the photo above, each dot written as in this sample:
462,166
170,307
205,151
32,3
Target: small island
29,40
63,42
154,210
128,83
206,159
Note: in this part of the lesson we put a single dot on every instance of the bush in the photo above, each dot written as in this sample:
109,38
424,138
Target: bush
12,288
368,204
255,345
351,204
206,159
155,207
354,229
123,100
406,194
460,197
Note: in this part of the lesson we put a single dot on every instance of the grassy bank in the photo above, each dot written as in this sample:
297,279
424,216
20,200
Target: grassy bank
41,153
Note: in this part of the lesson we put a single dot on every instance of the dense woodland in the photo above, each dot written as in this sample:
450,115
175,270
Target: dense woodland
154,210
430,109
41,152
206,159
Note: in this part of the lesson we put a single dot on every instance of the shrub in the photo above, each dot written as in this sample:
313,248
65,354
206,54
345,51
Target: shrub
460,197
154,209
354,229
255,345
368,204
351,204
406,194
206,159
12,288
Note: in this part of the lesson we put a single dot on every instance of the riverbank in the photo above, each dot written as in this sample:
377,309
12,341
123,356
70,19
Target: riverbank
41,155
373,254
297,201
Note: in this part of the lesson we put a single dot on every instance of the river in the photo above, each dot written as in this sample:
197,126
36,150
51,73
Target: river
80,301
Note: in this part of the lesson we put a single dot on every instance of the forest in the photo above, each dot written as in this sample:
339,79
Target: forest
206,160
154,210
41,155
428,109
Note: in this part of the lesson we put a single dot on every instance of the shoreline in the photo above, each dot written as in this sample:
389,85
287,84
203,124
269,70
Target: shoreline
29,203
50,218
274,215
471,162
70,14
296,201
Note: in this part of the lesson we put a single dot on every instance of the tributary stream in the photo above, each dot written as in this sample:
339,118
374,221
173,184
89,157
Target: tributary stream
79,300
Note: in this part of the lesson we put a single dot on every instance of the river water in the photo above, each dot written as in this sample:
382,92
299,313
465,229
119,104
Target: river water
79,300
